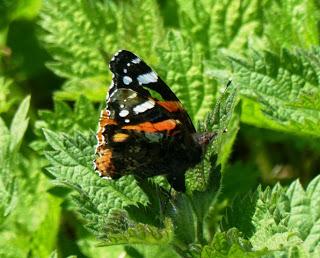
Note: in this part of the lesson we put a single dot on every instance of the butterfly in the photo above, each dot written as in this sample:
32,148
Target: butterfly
142,135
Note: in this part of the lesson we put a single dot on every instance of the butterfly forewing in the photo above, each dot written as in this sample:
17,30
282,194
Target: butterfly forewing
130,71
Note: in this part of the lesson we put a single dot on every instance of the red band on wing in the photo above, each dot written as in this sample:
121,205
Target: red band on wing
165,125
171,106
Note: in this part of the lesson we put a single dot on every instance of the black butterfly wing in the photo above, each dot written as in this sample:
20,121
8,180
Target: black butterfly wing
130,71
139,134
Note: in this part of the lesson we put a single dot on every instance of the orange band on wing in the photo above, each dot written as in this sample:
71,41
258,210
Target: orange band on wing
103,163
103,122
120,137
171,106
165,125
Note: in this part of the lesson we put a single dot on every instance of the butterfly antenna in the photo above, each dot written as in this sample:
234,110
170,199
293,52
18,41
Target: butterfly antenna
225,130
229,83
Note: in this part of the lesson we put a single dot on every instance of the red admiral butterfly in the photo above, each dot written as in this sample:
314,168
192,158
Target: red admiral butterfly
141,135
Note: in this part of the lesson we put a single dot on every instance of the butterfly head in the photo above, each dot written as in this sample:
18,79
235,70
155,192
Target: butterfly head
204,139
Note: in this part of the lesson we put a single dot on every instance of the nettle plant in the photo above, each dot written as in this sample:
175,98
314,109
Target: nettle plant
276,89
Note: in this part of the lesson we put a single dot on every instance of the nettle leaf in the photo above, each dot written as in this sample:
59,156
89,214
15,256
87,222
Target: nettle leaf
201,208
233,23
127,211
283,91
221,24
77,32
160,251
101,202
296,24
83,117
8,184
19,123
183,70
6,99
230,244
10,140
72,39
142,234
224,121
72,164
31,215
281,219
195,19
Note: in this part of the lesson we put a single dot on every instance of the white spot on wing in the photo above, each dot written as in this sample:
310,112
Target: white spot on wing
124,113
127,120
147,78
121,106
126,80
133,95
125,70
143,107
109,98
116,54
128,64
136,60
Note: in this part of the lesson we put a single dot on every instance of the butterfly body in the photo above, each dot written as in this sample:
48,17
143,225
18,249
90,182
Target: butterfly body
141,135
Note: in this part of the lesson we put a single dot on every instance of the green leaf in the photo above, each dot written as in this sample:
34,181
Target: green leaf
283,90
239,178
14,9
230,244
295,26
77,31
54,254
83,117
160,251
142,234
107,204
184,220
33,225
99,201
183,70
6,100
234,23
224,121
19,123
280,219
31,215
221,24
9,145
71,160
